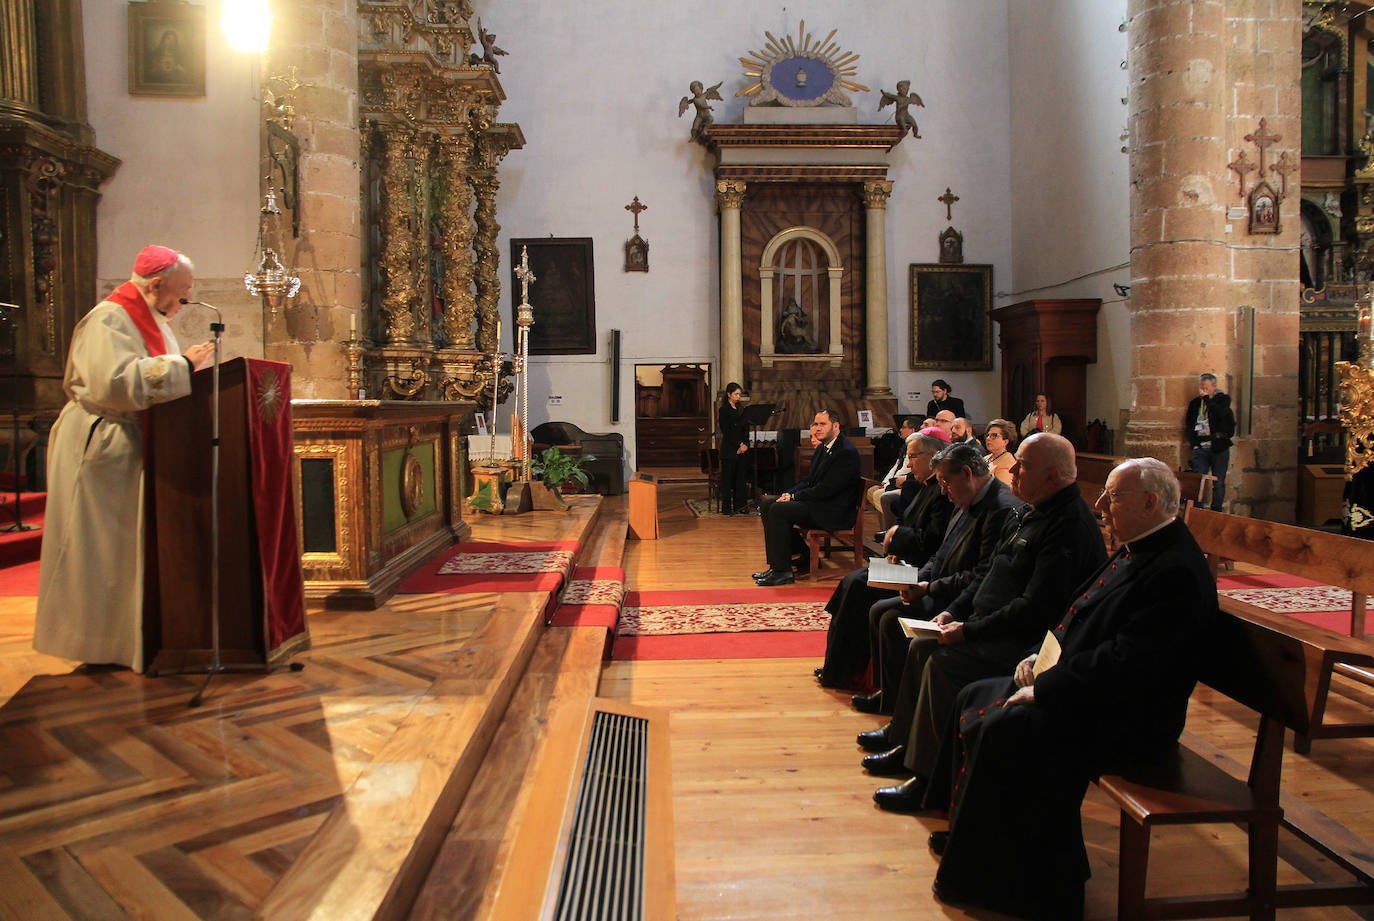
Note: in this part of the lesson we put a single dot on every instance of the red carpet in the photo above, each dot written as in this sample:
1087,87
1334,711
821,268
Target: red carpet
784,645
1292,596
21,546
714,624
19,580
494,567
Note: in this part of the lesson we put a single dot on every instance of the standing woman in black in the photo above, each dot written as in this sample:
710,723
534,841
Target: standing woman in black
734,443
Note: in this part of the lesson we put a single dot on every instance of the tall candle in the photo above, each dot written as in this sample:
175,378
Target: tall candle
352,325
498,335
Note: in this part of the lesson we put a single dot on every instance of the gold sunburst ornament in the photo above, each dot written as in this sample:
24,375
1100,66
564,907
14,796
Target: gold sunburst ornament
801,71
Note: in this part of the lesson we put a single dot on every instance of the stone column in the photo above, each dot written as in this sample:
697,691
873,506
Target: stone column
488,278
730,196
875,287
1181,306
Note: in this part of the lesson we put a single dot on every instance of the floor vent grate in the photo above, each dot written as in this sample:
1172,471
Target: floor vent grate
603,877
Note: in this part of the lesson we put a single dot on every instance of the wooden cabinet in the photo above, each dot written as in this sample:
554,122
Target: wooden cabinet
670,441
1047,346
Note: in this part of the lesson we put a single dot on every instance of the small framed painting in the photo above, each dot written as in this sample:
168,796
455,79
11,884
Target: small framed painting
480,420
166,49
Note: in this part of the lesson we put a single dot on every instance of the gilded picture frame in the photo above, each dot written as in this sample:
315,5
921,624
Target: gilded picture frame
563,294
951,317
166,49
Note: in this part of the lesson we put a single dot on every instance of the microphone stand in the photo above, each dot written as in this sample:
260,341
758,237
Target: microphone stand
216,665
5,316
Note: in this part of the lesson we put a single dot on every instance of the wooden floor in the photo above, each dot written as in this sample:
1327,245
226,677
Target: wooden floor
202,814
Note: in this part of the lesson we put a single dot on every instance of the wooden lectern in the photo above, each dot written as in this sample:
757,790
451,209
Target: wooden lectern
262,599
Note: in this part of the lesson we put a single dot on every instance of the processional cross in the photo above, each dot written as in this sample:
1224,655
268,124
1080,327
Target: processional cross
526,276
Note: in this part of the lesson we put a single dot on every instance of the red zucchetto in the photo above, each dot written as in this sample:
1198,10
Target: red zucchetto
153,259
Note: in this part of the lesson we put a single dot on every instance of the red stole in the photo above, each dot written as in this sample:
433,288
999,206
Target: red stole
129,297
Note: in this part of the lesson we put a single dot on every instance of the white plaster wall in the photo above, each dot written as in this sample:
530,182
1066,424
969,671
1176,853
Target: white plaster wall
597,94
189,173
1070,213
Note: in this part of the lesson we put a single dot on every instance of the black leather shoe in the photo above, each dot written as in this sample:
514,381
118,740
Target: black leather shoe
905,797
868,703
944,893
938,840
819,671
875,740
777,578
891,763
760,575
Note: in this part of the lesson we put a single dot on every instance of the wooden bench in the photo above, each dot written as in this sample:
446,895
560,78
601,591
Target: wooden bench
820,542
1267,670
1330,559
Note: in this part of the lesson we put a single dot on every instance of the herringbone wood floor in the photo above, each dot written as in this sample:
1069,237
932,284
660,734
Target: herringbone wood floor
116,801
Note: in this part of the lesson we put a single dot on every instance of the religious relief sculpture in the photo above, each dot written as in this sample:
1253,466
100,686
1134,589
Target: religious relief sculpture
699,98
794,330
801,72
903,99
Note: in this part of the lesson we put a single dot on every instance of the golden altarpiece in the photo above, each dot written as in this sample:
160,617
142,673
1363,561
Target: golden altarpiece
383,474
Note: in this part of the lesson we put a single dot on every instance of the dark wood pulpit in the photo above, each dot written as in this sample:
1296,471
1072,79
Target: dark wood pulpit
261,594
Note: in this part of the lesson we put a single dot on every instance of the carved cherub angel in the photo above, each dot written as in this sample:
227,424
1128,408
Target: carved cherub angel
699,98
903,99
489,50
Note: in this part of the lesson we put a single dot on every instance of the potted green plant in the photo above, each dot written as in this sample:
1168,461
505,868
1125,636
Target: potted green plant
558,470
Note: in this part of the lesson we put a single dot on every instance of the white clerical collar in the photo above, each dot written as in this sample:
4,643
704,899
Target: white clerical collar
1146,533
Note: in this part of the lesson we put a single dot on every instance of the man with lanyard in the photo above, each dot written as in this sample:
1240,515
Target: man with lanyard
123,359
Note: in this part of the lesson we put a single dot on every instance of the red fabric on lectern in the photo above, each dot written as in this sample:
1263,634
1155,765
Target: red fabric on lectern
274,506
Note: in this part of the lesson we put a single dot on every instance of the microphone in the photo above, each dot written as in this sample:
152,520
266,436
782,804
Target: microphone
218,325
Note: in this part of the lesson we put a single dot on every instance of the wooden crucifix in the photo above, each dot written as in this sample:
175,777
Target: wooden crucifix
635,207
1241,165
1263,139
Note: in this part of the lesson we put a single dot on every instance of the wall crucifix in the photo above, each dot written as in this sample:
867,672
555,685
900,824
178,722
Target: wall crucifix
636,248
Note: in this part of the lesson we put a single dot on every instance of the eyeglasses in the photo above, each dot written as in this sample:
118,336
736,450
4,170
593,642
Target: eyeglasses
1112,495
994,435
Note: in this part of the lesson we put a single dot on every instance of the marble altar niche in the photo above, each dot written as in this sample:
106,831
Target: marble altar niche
380,489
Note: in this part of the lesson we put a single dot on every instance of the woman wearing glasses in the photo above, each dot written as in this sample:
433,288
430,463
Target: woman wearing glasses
999,437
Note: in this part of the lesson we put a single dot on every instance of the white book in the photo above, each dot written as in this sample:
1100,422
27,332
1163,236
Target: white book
885,574
916,629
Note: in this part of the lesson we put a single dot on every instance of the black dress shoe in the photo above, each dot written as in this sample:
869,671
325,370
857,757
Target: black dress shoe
819,671
938,840
868,703
905,797
777,578
875,740
760,575
891,763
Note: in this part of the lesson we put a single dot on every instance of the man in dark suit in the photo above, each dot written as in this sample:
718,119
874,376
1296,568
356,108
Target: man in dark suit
826,498
1045,551
1115,697
983,503
914,539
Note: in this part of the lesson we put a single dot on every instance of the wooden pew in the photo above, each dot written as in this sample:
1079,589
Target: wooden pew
1267,670
1321,557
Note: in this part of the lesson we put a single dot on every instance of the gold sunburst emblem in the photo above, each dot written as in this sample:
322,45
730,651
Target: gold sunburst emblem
801,71
269,396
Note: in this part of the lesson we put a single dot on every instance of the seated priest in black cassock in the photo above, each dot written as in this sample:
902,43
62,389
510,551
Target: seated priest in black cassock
1046,549
827,498
982,503
925,517
1115,698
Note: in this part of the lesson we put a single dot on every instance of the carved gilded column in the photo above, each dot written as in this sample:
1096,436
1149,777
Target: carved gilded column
19,66
875,195
456,232
400,241
730,196
488,262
